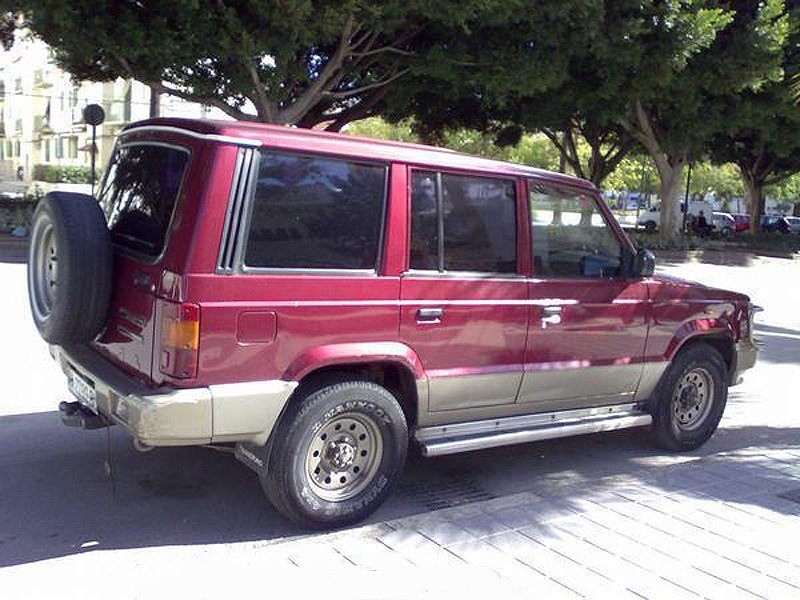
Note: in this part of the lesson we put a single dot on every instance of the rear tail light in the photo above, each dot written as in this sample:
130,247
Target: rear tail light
180,339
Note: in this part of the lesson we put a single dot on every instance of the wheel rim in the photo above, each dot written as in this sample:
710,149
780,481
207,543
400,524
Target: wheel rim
43,272
343,457
693,398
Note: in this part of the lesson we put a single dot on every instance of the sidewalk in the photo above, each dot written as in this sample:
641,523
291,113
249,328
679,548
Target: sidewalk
586,517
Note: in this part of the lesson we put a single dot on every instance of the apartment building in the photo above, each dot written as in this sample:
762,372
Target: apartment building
41,112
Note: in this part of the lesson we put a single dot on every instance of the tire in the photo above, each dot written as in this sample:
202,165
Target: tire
337,453
70,266
726,231
650,226
685,412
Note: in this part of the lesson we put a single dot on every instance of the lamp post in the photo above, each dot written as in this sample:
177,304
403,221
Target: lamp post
94,115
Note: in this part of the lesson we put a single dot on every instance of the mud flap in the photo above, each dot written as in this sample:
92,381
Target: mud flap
255,457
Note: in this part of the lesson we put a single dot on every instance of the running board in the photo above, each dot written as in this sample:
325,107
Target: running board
476,435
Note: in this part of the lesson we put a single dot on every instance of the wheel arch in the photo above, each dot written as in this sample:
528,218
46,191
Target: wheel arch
720,341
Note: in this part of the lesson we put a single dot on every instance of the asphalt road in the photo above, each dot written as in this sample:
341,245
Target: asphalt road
57,499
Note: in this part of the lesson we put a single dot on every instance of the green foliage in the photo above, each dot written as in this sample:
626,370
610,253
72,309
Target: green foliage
724,181
787,189
532,150
304,62
62,174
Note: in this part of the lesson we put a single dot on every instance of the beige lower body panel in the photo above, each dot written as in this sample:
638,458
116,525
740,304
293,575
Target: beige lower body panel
471,391
248,412
595,384
245,412
651,375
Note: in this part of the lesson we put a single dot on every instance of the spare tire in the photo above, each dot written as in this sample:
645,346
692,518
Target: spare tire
70,264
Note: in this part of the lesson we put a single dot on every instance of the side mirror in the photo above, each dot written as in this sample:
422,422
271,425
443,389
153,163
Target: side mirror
644,263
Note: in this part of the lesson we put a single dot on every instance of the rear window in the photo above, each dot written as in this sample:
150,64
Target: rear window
139,193
315,212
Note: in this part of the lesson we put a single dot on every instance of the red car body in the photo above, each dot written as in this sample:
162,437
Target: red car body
199,347
265,326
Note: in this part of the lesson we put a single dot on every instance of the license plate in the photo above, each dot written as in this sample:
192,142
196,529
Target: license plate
83,390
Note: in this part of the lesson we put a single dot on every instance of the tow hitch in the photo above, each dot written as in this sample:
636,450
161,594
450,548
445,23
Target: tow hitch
74,414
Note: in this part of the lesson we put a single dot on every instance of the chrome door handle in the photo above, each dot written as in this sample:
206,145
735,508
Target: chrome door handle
430,315
551,315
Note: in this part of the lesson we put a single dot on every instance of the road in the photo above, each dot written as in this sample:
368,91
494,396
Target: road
169,518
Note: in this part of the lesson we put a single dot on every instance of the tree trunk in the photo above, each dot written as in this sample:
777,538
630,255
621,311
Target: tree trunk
754,199
671,191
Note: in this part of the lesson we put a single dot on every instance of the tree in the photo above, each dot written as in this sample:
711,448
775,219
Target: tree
715,54
303,62
761,132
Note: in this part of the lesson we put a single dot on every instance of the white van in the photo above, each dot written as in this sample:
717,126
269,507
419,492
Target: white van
651,219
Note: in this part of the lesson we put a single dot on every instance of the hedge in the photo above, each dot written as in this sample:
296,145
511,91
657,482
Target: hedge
62,174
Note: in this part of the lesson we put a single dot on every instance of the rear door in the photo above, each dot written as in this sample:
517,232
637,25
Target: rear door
463,302
139,194
588,323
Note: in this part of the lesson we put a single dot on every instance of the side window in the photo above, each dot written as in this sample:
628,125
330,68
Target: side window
316,212
463,223
570,236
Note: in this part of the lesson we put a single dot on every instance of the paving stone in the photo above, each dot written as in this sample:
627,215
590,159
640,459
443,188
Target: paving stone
443,533
633,577
418,549
481,525
558,567
482,553
306,554
514,517
371,554
683,549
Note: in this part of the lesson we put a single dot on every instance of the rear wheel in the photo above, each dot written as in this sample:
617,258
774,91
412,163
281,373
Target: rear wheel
650,226
691,398
336,455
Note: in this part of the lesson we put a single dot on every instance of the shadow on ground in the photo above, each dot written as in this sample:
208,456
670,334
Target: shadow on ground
779,345
13,250
58,500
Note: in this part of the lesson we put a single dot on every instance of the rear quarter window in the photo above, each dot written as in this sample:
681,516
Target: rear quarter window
316,212
139,192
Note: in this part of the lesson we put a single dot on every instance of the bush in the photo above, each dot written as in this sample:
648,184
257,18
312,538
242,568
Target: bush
62,174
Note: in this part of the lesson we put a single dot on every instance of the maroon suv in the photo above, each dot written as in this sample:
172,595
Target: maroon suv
319,300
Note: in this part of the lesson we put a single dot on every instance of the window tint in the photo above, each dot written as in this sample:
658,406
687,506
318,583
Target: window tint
570,236
315,212
424,221
462,223
139,193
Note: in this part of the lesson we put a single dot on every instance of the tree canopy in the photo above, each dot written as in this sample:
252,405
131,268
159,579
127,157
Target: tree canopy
303,62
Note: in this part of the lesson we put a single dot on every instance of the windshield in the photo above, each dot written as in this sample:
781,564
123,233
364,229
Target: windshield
139,194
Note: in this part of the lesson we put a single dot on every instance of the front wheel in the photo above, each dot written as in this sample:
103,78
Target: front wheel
690,399
337,453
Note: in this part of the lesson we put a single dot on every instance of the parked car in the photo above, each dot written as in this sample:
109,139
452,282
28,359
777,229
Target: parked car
742,222
316,301
794,224
723,223
651,219
775,223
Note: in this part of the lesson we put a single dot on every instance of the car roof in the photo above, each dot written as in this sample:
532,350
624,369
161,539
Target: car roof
345,144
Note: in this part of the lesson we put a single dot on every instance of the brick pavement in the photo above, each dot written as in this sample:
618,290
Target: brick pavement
715,523
715,527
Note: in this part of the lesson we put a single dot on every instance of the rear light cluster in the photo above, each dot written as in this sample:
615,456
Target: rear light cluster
180,339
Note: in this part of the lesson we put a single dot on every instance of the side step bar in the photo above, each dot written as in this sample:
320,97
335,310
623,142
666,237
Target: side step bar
476,435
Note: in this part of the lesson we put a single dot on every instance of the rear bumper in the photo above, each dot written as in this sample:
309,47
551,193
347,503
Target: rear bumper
239,412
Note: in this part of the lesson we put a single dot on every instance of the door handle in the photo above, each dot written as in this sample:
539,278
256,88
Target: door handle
551,315
430,315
